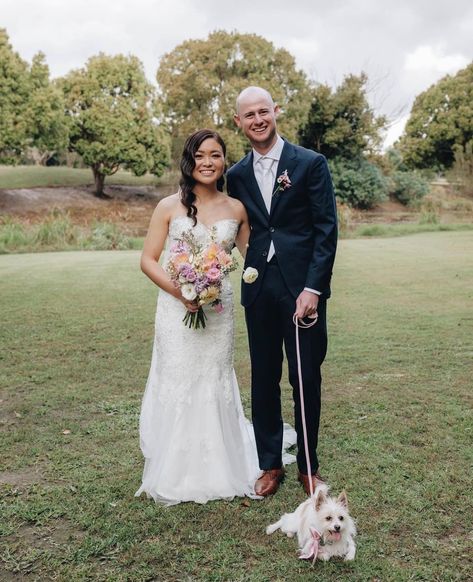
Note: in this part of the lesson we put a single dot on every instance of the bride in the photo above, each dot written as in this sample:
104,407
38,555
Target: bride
195,439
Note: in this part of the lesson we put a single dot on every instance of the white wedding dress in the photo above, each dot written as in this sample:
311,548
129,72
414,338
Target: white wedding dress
196,441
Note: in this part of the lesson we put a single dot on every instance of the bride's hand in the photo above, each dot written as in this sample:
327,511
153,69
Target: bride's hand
191,306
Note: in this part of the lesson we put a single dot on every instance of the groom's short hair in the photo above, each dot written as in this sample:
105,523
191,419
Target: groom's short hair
253,89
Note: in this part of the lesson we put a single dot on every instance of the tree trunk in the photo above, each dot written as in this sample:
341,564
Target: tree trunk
99,180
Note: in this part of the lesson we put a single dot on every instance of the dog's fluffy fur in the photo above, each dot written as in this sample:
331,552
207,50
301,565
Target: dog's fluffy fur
327,515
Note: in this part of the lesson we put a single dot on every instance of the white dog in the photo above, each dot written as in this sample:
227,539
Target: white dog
322,525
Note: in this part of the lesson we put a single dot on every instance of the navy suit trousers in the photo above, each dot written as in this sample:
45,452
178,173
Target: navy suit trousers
270,328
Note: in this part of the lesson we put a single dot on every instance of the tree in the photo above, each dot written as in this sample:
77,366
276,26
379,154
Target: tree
47,124
441,118
341,123
110,106
14,97
200,79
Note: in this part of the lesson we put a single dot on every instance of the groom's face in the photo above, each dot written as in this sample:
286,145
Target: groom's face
256,117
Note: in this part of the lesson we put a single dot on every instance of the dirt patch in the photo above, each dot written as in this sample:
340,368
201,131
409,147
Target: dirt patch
129,206
17,565
21,477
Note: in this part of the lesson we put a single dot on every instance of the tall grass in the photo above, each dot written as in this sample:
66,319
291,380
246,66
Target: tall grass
58,232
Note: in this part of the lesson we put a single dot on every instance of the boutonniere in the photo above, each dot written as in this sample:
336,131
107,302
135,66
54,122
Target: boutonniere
284,182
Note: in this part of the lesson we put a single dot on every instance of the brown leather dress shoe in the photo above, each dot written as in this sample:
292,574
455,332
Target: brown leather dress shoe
317,479
269,481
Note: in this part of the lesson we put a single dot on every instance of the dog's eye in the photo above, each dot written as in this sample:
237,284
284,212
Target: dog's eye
341,518
328,518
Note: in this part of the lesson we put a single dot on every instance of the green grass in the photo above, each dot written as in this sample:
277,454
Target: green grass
58,232
392,230
396,424
39,176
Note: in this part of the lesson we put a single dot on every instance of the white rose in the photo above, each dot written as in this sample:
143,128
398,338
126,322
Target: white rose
188,292
250,274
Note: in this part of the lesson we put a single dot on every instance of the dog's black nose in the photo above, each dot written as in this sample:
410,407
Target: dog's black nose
337,528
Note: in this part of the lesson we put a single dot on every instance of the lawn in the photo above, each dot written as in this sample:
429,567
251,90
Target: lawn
41,176
396,433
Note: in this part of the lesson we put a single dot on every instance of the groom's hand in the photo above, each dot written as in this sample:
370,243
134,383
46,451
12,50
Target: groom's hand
306,304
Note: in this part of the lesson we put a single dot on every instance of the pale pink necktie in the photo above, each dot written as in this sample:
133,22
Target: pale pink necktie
266,184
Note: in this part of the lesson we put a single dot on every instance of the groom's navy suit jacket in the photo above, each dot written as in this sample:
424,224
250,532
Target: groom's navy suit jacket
302,223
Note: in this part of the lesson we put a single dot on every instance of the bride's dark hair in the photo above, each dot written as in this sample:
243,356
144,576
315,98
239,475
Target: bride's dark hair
187,182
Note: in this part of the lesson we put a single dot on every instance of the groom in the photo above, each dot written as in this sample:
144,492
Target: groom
292,245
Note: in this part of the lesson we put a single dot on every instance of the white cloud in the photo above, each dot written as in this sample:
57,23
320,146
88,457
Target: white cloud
394,131
427,64
433,59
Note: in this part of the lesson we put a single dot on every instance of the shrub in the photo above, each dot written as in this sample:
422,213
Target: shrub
358,182
408,187
107,236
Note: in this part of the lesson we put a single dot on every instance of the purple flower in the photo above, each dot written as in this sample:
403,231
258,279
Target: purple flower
200,284
186,271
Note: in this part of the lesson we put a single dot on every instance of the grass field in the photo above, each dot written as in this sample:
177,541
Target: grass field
40,176
396,433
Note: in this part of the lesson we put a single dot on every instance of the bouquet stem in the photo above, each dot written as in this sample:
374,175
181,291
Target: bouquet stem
196,319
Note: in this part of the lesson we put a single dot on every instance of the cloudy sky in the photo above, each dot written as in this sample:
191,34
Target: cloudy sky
403,45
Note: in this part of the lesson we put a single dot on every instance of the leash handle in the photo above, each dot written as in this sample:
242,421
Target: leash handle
299,323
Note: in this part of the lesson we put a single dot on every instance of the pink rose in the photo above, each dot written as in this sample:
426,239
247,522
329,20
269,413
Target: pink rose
213,274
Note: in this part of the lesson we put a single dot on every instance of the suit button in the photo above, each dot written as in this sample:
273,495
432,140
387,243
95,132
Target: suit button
272,229
264,253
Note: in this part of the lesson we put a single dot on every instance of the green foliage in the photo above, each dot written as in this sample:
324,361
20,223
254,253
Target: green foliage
441,118
47,126
341,123
200,80
32,116
110,108
358,182
107,236
408,187
14,97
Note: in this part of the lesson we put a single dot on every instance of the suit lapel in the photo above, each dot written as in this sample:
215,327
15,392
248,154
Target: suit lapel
252,185
287,161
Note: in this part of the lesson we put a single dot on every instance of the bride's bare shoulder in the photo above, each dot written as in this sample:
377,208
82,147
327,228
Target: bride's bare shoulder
237,207
169,206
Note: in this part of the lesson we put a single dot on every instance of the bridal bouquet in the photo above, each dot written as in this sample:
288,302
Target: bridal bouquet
199,273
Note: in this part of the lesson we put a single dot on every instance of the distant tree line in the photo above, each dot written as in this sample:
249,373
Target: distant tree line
111,116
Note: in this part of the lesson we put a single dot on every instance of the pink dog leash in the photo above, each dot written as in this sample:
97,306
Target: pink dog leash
299,323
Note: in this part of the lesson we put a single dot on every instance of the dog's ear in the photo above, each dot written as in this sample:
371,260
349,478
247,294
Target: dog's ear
319,499
342,498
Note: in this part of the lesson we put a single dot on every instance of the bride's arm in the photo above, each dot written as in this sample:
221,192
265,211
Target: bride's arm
243,235
153,247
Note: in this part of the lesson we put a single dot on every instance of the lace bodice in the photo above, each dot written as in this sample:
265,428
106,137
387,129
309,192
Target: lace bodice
224,231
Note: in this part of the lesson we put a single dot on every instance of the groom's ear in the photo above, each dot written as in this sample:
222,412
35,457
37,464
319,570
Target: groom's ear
236,119
277,110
